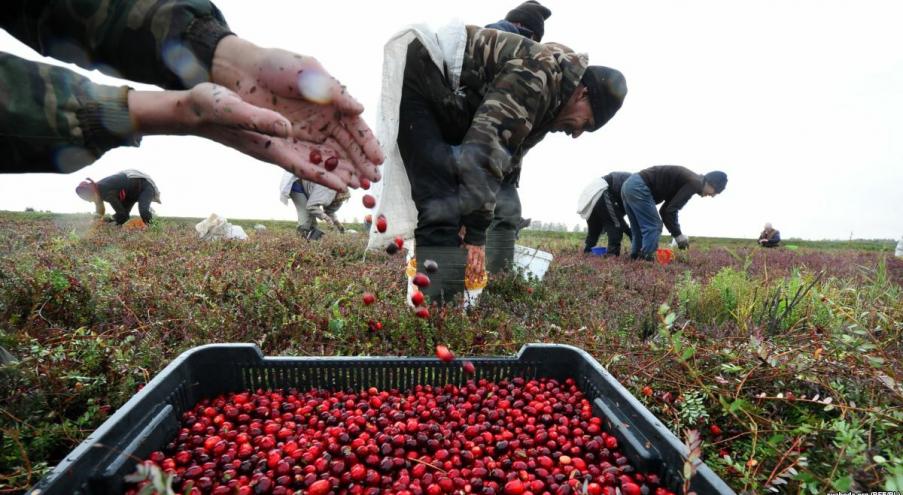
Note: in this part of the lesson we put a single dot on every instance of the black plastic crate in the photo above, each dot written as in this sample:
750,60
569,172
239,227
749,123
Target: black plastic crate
151,418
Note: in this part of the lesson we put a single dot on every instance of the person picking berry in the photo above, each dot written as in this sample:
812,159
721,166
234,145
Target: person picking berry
461,134
669,184
122,191
601,205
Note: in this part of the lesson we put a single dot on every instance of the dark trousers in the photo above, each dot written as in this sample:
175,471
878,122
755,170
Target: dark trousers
432,124
601,220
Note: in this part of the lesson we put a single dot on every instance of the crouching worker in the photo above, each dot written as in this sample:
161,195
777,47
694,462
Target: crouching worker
312,202
770,237
602,207
122,191
462,135
669,184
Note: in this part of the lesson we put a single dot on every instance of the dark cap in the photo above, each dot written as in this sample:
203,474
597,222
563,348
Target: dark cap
532,15
606,88
717,179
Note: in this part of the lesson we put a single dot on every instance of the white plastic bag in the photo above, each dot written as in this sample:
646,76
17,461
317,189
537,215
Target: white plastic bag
216,227
899,252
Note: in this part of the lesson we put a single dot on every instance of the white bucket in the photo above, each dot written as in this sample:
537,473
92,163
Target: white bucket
534,262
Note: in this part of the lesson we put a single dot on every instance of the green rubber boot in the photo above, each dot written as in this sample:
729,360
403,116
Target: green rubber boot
499,250
446,284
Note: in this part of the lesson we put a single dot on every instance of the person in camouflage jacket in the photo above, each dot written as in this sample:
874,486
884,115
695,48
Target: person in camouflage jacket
460,147
220,87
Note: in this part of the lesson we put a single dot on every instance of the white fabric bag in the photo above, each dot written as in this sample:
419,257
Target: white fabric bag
393,192
590,195
216,227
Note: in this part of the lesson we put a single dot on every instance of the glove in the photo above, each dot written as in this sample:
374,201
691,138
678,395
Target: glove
682,241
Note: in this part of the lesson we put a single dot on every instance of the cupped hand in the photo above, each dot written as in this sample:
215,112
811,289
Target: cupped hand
321,111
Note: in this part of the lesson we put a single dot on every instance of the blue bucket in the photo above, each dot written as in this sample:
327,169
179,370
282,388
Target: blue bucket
599,251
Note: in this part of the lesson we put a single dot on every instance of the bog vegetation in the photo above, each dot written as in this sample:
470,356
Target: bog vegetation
788,362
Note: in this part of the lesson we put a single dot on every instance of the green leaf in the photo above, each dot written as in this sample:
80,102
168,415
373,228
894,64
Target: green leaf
738,405
336,325
875,361
689,352
842,484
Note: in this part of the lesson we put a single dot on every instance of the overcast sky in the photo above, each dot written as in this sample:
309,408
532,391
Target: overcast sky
800,102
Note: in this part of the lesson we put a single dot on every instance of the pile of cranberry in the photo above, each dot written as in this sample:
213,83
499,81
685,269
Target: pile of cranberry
509,437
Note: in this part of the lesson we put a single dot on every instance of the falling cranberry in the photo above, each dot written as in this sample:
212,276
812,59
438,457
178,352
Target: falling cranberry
422,313
391,248
331,163
417,298
444,354
468,367
365,183
369,298
430,266
315,157
381,224
369,201
715,429
421,280
368,218
399,242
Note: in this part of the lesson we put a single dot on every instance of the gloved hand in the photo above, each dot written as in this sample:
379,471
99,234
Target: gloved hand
682,241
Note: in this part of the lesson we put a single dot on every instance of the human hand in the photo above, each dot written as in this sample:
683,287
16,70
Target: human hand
320,109
219,114
476,260
682,241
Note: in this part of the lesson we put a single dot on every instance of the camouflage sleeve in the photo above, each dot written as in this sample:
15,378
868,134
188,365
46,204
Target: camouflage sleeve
504,120
54,120
169,43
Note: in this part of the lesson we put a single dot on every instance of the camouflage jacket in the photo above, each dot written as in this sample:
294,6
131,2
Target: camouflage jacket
54,120
511,90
